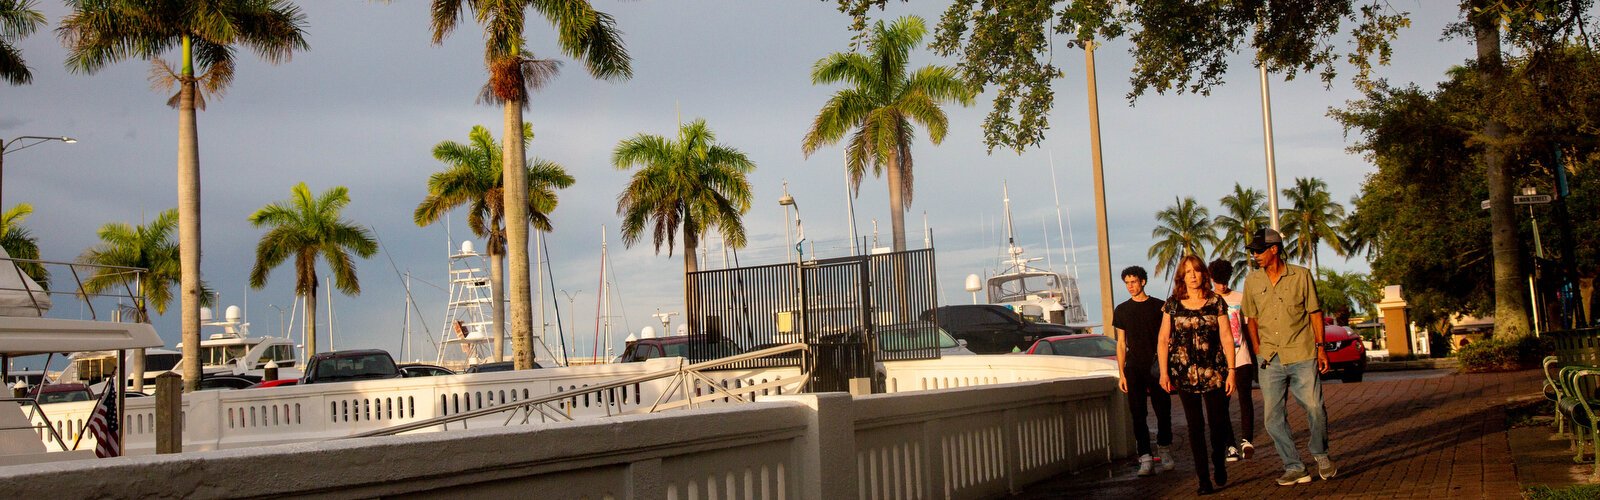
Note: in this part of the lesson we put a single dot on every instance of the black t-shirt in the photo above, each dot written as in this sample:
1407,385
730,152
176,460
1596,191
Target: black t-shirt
1141,322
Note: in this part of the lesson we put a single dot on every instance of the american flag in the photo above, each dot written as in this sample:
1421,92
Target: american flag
105,426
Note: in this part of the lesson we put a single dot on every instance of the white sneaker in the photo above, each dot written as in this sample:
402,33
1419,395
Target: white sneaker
1246,450
1326,469
1233,454
1164,456
1146,465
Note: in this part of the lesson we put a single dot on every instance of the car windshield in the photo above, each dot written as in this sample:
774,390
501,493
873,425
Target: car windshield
368,366
712,350
910,337
64,397
1091,347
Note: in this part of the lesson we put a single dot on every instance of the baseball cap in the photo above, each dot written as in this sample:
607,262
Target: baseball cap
1264,238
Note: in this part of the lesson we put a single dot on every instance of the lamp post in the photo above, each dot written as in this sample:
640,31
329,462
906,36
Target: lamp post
800,229
5,147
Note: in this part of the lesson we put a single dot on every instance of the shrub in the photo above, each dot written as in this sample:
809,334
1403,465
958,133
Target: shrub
1499,355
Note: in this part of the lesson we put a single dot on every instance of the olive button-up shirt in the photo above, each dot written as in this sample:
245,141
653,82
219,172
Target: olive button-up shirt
1282,312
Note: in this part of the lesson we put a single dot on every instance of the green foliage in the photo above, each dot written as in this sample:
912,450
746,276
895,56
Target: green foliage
881,106
474,179
1311,219
1179,45
20,243
306,228
150,247
1500,355
18,19
1243,212
1418,217
1573,492
691,183
1343,295
1183,228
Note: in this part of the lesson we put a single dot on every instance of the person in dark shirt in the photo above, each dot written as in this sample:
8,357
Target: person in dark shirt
1138,323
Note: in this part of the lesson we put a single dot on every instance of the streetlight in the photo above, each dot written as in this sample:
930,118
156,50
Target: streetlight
5,147
800,229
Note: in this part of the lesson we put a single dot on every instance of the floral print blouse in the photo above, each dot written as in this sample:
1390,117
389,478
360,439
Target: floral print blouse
1196,361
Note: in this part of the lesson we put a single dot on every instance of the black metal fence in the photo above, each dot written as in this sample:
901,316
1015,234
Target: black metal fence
852,311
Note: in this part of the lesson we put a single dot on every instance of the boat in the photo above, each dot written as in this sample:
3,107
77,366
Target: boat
235,352
468,335
1039,295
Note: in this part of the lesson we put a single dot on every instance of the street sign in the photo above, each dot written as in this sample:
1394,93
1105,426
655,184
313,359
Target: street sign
1537,199
1485,204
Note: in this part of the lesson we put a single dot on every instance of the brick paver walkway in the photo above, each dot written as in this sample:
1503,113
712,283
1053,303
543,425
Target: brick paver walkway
1440,437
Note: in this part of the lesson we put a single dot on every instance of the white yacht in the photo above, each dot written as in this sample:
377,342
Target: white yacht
1037,294
235,352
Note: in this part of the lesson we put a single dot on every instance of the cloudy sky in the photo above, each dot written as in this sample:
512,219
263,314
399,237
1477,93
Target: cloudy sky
364,106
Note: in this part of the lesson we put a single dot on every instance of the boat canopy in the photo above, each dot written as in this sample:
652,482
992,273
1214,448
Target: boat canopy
19,294
1017,287
23,336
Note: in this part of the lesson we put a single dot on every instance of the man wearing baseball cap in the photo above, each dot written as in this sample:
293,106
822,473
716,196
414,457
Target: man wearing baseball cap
1284,322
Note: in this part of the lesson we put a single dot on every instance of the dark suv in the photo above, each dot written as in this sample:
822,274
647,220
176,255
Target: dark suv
992,329
345,366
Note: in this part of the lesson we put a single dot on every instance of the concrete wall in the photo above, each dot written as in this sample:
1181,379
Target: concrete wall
969,442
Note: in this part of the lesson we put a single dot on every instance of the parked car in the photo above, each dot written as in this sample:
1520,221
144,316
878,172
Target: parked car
282,382
677,345
410,370
345,366
1088,345
992,329
499,366
918,335
61,393
1347,356
226,382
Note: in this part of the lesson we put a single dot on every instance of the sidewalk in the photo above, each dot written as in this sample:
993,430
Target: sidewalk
1439,437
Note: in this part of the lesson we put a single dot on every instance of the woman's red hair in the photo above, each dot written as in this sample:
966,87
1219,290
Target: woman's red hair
1179,290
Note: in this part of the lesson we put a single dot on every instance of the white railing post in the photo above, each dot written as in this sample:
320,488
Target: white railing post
828,460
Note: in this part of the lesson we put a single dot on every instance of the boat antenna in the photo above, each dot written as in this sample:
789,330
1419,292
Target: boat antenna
1014,251
1059,218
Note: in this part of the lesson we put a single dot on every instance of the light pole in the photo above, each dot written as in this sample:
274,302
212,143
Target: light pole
281,331
800,229
5,147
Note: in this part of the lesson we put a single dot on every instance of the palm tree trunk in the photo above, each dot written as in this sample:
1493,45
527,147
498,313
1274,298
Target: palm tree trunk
309,296
189,222
691,314
1510,294
897,210
497,290
516,206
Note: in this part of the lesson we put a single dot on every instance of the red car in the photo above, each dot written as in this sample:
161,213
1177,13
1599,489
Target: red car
1088,345
275,383
1347,356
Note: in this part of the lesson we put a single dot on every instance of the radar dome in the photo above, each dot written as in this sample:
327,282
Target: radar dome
648,332
231,313
466,246
973,283
205,314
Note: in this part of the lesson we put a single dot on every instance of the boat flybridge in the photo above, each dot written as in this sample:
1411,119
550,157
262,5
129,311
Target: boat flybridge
1039,295
235,352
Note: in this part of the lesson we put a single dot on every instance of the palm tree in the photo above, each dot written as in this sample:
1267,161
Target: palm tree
20,243
583,33
691,184
98,33
1244,212
880,104
1343,295
474,179
305,227
1181,229
149,247
1312,218
18,19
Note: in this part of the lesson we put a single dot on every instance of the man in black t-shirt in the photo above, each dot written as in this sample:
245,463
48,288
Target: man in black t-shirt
1138,323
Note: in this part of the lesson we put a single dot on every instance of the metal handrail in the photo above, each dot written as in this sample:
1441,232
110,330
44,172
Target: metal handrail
73,269
37,414
541,404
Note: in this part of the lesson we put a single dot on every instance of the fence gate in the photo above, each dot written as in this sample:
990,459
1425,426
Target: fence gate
852,311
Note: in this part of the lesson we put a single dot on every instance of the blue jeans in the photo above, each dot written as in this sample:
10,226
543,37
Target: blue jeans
1278,381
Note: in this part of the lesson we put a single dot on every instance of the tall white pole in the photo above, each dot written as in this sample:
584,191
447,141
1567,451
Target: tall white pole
850,209
1272,162
538,264
1102,232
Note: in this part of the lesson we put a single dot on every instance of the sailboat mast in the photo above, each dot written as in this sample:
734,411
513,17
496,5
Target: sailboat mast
538,264
605,295
1067,239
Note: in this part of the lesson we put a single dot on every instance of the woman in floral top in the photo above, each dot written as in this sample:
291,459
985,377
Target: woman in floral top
1195,349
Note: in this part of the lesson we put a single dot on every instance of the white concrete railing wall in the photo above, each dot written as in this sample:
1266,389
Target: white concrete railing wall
970,442
216,420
